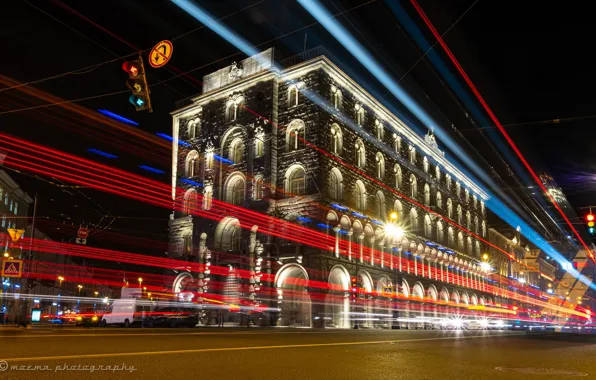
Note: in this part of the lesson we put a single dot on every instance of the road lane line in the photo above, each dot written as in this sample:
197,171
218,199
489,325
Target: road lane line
249,348
168,334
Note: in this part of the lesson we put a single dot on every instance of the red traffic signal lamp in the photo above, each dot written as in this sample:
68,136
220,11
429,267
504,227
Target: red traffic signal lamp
590,217
137,83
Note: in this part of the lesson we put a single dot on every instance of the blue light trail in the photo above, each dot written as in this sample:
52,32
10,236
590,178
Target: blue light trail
170,138
117,117
150,169
99,152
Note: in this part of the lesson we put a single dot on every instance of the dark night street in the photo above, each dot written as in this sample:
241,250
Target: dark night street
242,354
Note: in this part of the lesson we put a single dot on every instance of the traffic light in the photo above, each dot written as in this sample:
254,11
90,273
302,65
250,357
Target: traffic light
590,220
137,83
354,288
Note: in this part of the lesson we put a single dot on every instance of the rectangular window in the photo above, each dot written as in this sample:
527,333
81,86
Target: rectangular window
16,208
3,220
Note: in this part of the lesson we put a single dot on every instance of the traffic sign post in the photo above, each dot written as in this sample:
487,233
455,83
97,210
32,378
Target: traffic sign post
82,234
15,234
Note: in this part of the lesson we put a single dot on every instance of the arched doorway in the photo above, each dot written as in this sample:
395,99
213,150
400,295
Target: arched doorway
294,301
433,297
181,286
418,306
365,311
384,302
337,302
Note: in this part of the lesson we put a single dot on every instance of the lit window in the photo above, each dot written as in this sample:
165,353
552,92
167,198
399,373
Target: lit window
234,189
258,188
360,154
192,161
439,200
236,151
259,147
438,173
425,164
16,208
412,154
335,184
428,227
449,208
398,176
427,194
380,165
337,97
379,130
336,139
208,198
293,96
295,136
359,110
380,205
190,202
193,127
295,181
414,220
396,143
413,186
448,181
209,161
360,196
458,189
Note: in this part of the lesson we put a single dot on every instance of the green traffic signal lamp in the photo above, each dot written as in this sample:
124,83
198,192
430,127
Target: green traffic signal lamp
137,101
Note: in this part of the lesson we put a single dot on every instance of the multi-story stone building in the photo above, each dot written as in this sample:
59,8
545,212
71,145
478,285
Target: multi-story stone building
307,144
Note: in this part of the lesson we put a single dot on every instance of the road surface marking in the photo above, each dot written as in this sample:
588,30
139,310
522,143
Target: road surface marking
159,334
249,348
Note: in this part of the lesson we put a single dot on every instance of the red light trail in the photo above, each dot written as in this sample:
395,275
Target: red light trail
498,124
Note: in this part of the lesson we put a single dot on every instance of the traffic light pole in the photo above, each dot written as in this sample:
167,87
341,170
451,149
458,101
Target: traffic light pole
145,82
23,310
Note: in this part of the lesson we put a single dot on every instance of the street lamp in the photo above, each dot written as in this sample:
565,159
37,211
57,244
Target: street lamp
6,254
80,287
140,279
96,293
485,257
60,278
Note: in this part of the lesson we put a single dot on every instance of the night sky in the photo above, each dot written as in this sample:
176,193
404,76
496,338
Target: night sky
531,64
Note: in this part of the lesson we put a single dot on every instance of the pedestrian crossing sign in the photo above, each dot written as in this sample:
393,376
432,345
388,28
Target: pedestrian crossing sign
12,268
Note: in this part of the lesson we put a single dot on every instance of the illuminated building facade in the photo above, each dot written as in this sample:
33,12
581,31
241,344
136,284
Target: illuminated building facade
307,144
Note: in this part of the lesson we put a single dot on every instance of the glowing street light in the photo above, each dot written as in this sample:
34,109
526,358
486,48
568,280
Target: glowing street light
393,231
80,287
96,293
6,254
393,216
485,257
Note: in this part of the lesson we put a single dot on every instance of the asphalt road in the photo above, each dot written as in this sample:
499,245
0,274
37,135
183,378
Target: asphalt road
284,354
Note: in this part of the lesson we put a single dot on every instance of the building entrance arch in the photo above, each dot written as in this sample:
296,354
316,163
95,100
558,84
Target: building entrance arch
337,301
294,301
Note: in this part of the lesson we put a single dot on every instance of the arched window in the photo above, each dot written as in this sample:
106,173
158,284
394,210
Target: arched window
475,201
476,224
412,154
468,220
398,176
359,114
337,140
460,215
209,161
208,197
259,146
258,190
192,164
295,136
449,208
439,200
477,248
425,164
232,107
482,207
483,228
398,208
335,184
380,159
234,189
293,96
295,181
428,227
460,241
467,196
193,127
337,97
413,186
426,194
448,181
360,196
360,153
458,189
413,220
438,173
191,201
469,246
228,235
450,237
380,205
439,232
236,150
379,130
396,143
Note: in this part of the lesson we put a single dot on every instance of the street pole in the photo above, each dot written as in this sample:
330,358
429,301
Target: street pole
24,310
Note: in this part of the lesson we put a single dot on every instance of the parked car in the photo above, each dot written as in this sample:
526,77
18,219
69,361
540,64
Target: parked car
89,318
127,312
173,317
